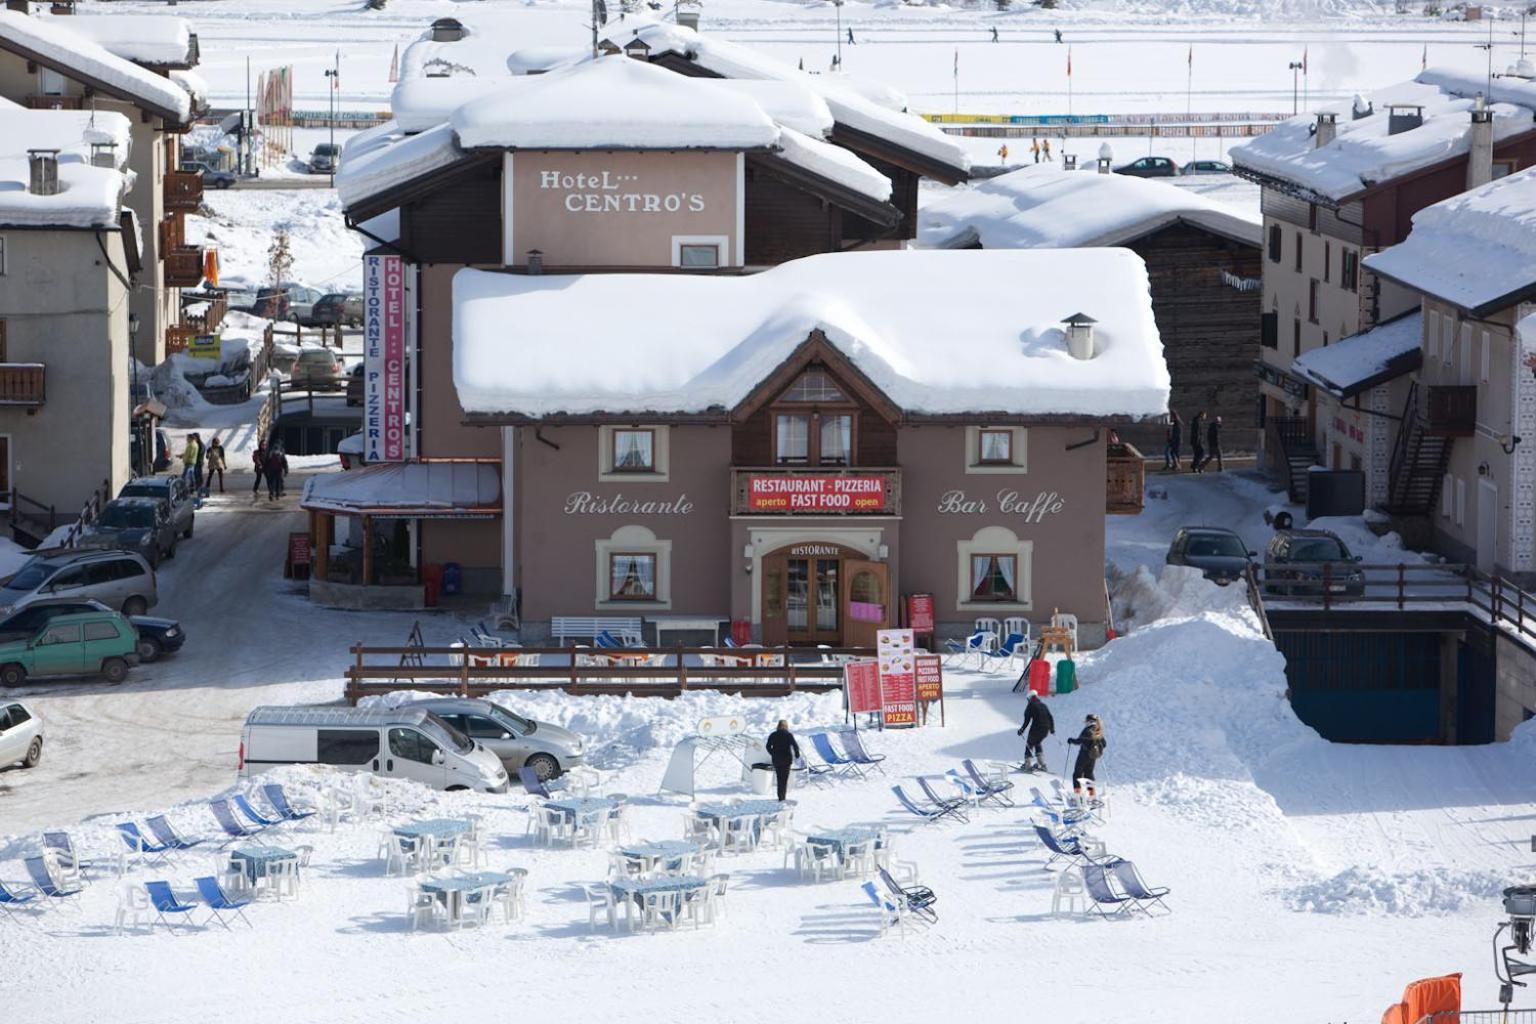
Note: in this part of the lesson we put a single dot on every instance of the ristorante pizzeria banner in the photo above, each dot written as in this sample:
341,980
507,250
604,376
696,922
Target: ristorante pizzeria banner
813,492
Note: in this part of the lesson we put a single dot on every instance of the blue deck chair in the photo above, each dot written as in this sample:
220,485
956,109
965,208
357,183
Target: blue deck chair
1006,652
42,880
949,806
1105,900
1061,847
1132,885
252,813
219,903
828,753
168,835
232,828
975,644
11,898
533,784
278,798
853,745
919,898
811,772
139,843
988,789
164,901
928,814
729,642
1068,819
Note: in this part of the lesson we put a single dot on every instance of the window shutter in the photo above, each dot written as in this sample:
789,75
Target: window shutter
1269,330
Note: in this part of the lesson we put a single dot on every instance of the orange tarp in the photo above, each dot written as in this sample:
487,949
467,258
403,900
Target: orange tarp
211,267
1425,998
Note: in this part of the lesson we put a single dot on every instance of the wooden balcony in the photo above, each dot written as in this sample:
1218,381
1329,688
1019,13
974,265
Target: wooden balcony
183,190
1125,480
815,491
183,267
1451,410
178,337
23,384
38,102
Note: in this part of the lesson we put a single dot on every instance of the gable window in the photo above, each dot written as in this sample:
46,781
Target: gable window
814,422
1349,270
632,576
1274,243
634,451
814,385
994,577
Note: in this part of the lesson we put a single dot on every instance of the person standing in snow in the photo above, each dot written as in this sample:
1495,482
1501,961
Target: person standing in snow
215,465
277,468
1197,442
1002,153
1175,439
1090,744
1213,444
1046,147
1034,147
783,751
1058,35
1040,724
850,36
994,33
259,465
191,455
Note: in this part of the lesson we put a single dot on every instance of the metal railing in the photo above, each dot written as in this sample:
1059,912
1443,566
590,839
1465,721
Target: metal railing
1256,600
586,671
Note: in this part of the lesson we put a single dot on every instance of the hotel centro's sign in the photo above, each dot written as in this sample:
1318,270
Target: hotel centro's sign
1029,509
612,192
816,492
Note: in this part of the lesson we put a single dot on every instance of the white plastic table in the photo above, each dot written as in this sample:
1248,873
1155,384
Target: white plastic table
683,624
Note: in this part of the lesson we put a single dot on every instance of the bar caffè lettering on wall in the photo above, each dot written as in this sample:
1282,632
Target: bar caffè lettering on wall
1008,502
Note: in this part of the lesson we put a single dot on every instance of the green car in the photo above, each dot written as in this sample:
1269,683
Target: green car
87,643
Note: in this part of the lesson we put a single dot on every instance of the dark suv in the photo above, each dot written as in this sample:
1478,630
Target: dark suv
1219,552
1294,560
337,308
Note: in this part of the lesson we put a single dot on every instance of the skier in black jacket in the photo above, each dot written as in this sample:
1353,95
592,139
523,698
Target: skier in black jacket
1090,744
1040,724
783,750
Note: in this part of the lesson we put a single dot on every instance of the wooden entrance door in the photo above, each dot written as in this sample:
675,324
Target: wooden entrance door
867,603
804,596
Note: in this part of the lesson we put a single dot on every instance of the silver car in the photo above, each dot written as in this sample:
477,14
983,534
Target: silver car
547,749
121,580
21,735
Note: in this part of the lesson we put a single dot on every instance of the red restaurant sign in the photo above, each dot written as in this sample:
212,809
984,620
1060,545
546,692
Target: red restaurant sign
862,679
930,678
920,613
811,492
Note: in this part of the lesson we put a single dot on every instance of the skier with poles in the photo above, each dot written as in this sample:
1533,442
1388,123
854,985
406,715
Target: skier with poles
1040,724
1090,744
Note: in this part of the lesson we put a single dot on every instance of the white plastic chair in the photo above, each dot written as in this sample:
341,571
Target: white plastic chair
695,904
422,907
858,859
1069,892
1017,624
1068,621
741,834
993,626
820,860
284,876
133,908
661,909
700,830
600,899
398,855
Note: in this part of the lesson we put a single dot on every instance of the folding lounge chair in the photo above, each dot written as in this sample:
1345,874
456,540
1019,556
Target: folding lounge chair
1132,885
168,835
891,910
928,814
1062,847
11,898
163,901
813,772
1103,896
42,880
988,789
853,745
65,855
824,750
1068,820
219,903
1006,653
232,828
278,798
919,898
252,813
948,805
533,784
975,644
140,844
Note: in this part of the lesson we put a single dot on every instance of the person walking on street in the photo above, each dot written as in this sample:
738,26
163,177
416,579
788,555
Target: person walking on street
259,466
1039,723
1197,443
783,751
1175,439
215,465
1034,147
202,458
277,468
994,33
1090,744
1213,444
850,36
190,455
1058,35
1046,147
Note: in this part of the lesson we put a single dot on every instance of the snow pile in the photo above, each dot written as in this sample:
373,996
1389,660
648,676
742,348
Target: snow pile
1373,549
1370,890
421,103
67,51
879,309
88,196
1473,249
1041,206
1352,364
1178,591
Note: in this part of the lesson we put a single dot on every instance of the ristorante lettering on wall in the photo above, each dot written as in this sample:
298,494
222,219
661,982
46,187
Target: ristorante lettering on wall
606,192
579,503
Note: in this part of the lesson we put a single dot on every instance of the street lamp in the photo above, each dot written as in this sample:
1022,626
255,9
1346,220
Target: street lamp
1295,67
839,5
334,75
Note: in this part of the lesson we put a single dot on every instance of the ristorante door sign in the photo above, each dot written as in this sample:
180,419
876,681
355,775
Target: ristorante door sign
611,192
1029,508
816,492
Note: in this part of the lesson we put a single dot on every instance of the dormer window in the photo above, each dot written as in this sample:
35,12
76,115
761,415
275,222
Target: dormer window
813,422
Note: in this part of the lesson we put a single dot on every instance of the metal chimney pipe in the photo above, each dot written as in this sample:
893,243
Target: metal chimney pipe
535,262
1480,148
43,165
1327,129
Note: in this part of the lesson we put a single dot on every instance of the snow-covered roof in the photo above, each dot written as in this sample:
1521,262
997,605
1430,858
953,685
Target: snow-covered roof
1364,154
74,56
1041,206
423,488
927,328
833,163
384,157
88,196
850,103
612,103
144,39
1476,250
1361,361
421,103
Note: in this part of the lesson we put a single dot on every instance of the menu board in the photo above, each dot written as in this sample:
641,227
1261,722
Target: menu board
862,682
930,678
920,613
896,655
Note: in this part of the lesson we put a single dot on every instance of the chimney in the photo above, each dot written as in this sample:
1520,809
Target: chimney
447,30
1362,108
1080,335
1404,117
44,165
1106,158
535,262
1480,148
1327,129
688,19
1069,161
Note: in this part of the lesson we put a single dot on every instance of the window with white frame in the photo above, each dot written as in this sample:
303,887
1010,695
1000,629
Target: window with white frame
1464,368
633,567
633,453
994,571
700,252
996,449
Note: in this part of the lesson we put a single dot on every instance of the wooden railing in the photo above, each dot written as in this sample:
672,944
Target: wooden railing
585,671
1451,410
39,102
855,501
183,190
184,267
23,384
209,321
1125,480
1256,600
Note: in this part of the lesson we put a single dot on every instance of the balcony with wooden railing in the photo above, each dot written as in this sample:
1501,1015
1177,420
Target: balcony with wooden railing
1125,480
183,190
184,267
178,337
1450,410
23,384
41,102
815,490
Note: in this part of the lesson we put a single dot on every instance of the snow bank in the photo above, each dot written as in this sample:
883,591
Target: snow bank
1178,591
1368,890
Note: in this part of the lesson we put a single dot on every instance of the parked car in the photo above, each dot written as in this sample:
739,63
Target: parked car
1150,167
162,457
134,524
548,749
287,301
242,300
402,743
1221,553
318,367
301,303
1206,167
325,159
355,385
212,177
181,503
1294,565
118,579
89,643
21,735
337,308
157,636
271,303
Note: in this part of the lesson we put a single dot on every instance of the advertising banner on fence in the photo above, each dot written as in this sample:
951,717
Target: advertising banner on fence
920,613
896,654
861,679
384,359
816,492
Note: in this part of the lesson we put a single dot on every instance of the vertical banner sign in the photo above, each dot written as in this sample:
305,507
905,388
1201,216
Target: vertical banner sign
861,679
896,656
929,669
384,359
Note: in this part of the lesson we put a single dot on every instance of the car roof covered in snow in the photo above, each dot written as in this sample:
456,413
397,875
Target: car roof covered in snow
1476,250
1365,154
88,196
1042,206
930,330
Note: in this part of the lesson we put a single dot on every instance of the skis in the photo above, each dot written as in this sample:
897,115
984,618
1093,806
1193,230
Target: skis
1031,769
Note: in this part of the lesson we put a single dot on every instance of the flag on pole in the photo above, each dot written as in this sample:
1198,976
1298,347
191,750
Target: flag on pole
394,65
1303,60
957,62
1069,62
1191,56
1424,60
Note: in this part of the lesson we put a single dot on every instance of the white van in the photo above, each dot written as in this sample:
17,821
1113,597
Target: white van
400,744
